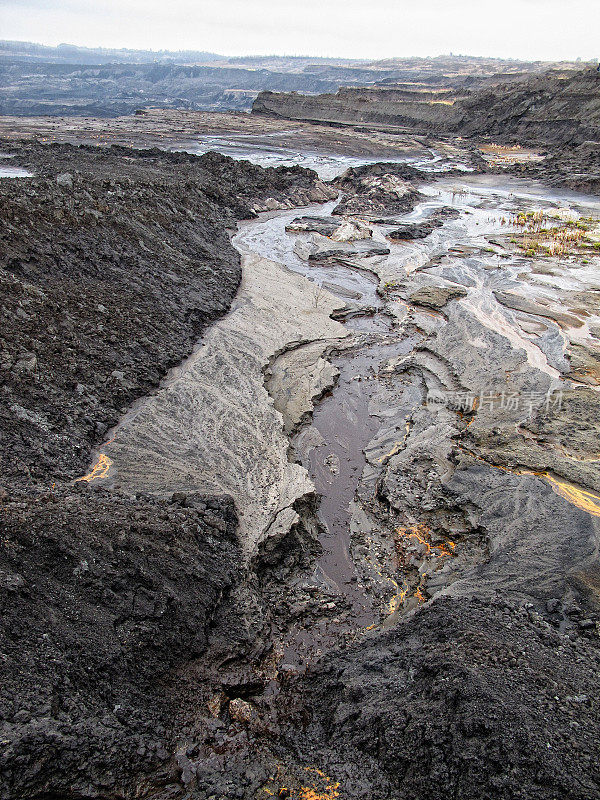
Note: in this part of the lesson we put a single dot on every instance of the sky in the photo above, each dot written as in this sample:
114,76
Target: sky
528,29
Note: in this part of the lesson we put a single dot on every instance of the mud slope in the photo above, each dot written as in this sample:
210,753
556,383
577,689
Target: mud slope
466,699
113,262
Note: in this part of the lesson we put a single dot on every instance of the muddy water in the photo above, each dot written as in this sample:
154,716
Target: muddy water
14,172
332,446
349,419
267,151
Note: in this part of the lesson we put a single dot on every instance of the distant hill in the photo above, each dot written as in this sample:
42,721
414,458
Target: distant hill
70,80
73,54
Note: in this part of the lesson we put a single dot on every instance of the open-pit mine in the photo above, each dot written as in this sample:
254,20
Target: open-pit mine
300,460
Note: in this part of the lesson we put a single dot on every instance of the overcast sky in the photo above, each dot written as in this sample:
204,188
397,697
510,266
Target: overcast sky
531,29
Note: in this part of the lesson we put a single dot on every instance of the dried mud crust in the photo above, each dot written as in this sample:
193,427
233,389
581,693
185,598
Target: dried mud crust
112,263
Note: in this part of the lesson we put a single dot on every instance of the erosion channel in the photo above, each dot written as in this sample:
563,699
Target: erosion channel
380,396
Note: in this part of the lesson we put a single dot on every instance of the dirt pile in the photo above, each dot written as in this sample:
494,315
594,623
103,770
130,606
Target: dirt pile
466,699
104,600
113,262
377,189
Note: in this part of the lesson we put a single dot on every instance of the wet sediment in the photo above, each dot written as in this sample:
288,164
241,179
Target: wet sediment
416,557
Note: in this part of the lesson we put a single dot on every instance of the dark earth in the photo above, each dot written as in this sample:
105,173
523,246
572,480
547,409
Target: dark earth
128,668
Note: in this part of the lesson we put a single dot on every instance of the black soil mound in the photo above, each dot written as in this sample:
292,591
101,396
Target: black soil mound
112,262
103,601
467,699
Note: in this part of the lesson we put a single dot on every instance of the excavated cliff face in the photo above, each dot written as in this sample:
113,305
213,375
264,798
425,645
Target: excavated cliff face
553,108
376,106
558,112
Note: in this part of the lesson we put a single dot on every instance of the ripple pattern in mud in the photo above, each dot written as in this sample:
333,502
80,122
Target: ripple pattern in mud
214,428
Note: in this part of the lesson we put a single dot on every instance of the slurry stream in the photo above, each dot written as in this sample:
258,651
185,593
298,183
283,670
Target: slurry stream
366,416
332,445
267,151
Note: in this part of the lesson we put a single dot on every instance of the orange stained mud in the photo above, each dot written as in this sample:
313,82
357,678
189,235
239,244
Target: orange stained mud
581,498
396,600
586,501
422,534
322,789
398,445
284,784
99,470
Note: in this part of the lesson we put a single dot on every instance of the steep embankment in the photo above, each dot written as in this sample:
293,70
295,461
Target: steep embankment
378,106
113,261
110,272
551,109
554,108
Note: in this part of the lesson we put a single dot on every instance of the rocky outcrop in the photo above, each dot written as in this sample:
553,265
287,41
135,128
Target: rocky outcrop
377,189
420,230
436,297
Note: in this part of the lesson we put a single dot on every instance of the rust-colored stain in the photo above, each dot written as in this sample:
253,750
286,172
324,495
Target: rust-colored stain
284,784
327,790
422,534
581,498
99,470
400,445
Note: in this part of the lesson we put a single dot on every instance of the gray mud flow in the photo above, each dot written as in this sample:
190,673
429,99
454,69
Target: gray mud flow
398,352
332,444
